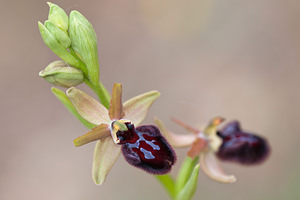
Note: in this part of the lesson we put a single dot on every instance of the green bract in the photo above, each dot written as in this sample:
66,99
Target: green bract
84,42
61,74
58,17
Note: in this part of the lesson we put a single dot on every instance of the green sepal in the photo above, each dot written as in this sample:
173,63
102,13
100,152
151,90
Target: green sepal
57,33
185,172
187,192
58,17
59,50
68,104
84,42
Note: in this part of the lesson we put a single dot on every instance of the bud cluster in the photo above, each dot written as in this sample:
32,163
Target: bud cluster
73,39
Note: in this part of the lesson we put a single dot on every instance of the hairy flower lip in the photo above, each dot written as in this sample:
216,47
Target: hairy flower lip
241,146
145,148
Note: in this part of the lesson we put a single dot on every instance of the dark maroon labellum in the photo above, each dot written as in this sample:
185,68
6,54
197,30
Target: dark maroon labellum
144,147
240,146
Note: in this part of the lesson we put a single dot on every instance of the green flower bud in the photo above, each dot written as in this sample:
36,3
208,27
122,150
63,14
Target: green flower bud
58,17
84,42
59,50
59,35
61,74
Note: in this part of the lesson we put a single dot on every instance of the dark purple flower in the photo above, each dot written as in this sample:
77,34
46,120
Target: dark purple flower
240,146
229,144
144,147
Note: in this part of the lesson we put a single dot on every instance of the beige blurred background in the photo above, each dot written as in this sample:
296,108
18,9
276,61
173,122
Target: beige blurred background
238,59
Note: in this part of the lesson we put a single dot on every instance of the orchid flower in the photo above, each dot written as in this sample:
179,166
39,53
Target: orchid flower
204,144
228,144
115,131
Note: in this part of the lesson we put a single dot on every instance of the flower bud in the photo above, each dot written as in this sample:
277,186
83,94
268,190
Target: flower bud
57,48
58,17
84,42
58,34
61,74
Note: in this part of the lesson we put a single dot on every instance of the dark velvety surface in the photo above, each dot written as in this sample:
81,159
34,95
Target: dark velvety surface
145,148
240,146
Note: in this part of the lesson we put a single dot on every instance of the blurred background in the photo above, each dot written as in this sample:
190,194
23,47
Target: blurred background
237,59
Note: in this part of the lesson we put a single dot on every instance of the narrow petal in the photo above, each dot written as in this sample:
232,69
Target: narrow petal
136,108
88,107
175,139
94,134
186,126
105,155
116,107
211,167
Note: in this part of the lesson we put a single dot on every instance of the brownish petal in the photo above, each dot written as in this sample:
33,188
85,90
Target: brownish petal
197,147
94,134
116,107
186,126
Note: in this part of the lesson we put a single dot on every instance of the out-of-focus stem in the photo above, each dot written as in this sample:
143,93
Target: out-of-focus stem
168,183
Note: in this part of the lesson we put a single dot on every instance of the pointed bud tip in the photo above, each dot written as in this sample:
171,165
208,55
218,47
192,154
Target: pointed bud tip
74,14
99,181
40,24
49,4
41,73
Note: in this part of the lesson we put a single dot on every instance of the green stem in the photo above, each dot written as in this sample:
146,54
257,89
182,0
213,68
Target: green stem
101,92
99,89
188,191
185,172
168,183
